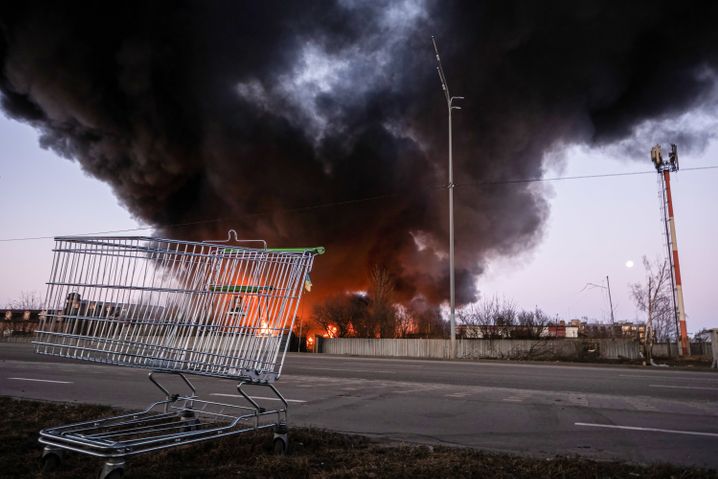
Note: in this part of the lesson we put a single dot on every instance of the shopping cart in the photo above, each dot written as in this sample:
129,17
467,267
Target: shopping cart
175,308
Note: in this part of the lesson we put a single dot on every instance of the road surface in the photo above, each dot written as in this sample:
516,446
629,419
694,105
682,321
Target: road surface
641,415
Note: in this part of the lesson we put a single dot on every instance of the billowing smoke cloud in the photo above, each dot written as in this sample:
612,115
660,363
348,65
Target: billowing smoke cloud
273,117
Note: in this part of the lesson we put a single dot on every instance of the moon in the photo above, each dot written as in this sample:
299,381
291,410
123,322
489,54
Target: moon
629,263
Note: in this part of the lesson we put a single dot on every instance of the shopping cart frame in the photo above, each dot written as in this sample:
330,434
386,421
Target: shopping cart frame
215,340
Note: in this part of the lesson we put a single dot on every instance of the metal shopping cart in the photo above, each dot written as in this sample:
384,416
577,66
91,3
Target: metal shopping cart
176,308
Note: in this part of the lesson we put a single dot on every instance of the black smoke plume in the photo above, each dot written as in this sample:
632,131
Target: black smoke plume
273,117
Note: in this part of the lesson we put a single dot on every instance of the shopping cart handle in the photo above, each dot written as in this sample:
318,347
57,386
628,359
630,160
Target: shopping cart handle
314,250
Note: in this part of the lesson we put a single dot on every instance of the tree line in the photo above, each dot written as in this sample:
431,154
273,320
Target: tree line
375,313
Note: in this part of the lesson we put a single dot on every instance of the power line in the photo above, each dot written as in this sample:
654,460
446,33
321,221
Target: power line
578,177
218,220
356,201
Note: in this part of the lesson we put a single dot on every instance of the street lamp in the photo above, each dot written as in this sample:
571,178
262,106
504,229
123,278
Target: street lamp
452,288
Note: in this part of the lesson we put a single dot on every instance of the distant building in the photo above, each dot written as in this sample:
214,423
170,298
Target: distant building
19,321
631,330
21,314
573,328
492,331
76,307
624,329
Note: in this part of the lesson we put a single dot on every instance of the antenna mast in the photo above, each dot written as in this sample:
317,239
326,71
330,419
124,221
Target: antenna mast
664,169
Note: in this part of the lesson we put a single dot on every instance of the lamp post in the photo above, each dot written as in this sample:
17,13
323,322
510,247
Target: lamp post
452,287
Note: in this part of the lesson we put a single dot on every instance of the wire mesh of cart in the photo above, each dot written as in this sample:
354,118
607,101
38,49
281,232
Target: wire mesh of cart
176,308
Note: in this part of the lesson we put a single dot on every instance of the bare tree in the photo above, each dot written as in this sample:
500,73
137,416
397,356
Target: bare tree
429,323
654,297
506,319
531,324
382,313
405,323
477,320
489,318
342,315
27,300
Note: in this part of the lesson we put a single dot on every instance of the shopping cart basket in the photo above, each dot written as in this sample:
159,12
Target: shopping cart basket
175,308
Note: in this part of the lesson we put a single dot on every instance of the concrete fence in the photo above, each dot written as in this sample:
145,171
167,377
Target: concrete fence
572,349
567,349
666,350
16,339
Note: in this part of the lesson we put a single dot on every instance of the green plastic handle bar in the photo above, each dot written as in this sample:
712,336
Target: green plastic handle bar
314,250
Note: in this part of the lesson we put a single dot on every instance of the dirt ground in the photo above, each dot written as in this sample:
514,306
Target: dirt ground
313,454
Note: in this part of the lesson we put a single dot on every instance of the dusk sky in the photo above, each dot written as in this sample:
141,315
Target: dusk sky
327,125
595,227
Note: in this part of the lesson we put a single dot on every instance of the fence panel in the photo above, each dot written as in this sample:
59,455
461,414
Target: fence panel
576,349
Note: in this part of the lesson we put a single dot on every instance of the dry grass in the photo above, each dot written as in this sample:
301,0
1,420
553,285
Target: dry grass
314,454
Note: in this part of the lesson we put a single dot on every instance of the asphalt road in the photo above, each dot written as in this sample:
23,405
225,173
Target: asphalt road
640,415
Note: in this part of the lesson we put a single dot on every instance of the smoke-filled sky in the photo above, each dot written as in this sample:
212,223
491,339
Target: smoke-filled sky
266,116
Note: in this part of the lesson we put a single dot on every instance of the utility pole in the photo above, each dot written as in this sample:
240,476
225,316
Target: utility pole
452,288
610,301
608,288
664,169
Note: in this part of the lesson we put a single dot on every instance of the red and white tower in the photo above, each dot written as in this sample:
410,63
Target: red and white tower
664,169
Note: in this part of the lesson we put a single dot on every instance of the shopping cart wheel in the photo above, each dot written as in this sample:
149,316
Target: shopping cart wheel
51,460
279,446
280,441
112,470
116,474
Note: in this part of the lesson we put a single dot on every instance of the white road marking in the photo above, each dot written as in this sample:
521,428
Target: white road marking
42,380
456,395
670,378
519,396
420,389
681,387
256,397
648,429
350,370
